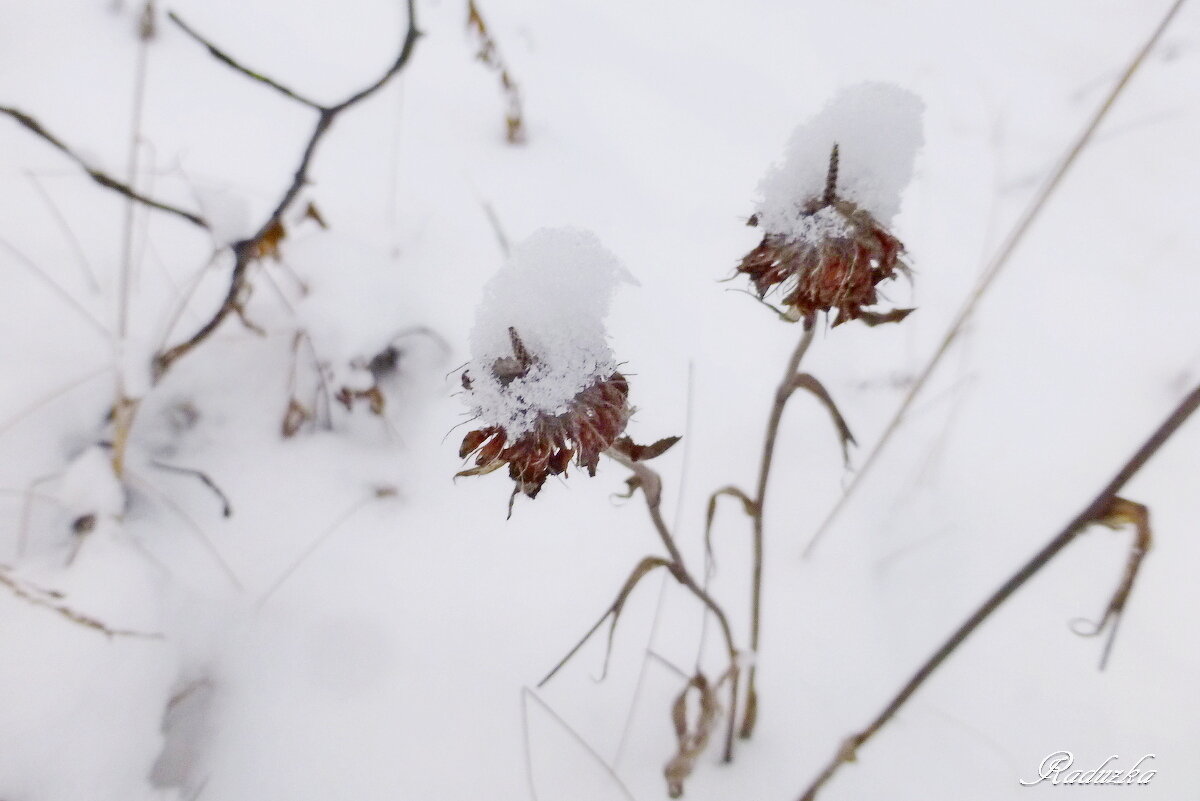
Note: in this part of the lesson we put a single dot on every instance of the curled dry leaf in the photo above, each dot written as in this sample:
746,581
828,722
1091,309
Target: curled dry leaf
612,614
297,415
1120,513
691,738
748,506
810,384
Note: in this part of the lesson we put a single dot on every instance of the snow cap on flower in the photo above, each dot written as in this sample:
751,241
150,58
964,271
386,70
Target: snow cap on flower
555,292
877,128
825,209
542,379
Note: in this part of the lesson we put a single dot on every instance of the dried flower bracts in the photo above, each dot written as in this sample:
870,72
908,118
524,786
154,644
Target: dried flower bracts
592,421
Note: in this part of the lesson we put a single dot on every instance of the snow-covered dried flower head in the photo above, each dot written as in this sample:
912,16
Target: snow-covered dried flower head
825,210
542,379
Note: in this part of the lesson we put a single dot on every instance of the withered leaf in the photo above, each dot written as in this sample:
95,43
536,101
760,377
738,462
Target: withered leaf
297,414
691,739
883,318
268,244
810,383
642,453
312,213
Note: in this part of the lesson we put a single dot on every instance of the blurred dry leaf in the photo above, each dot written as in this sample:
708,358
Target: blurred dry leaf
312,213
489,54
642,453
297,415
268,245
692,739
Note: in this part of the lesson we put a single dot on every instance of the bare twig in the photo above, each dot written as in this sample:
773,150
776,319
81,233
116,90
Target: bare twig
102,178
201,536
650,484
224,58
247,250
994,267
643,670
1104,508
203,478
50,600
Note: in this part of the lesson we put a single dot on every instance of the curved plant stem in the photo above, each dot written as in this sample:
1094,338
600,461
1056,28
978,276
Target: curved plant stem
1101,509
786,387
995,266
651,486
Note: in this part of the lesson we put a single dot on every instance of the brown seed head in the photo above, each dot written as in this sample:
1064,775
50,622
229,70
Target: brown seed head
593,420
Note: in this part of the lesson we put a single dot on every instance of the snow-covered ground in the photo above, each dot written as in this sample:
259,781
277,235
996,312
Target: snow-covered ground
363,627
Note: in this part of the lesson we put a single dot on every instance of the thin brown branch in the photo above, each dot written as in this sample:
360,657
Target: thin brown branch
229,61
1101,510
247,250
650,484
100,177
994,268
203,478
50,600
786,387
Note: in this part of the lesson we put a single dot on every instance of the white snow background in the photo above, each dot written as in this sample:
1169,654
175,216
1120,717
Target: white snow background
336,639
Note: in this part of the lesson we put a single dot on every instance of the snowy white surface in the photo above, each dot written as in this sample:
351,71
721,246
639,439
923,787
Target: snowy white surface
877,128
361,627
554,292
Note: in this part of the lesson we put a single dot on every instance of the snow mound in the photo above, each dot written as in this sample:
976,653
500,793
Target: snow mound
877,128
554,292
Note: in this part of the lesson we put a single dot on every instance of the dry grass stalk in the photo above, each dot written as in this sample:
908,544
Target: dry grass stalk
489,54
